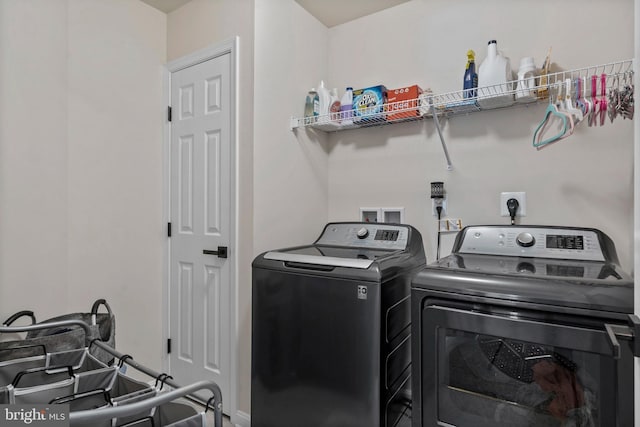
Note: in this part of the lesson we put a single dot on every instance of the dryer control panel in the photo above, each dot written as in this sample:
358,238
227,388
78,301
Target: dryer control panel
365,235
584,244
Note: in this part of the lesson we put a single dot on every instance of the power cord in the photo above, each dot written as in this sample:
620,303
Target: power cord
439,210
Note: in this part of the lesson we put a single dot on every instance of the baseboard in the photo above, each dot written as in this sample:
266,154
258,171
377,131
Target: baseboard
241,419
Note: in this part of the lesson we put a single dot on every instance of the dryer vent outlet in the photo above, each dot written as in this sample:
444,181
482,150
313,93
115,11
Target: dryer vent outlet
522,203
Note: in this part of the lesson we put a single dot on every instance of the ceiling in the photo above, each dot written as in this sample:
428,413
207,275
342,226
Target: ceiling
329,12
336,12
166,6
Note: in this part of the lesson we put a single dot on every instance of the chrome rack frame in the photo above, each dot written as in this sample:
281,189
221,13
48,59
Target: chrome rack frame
81,417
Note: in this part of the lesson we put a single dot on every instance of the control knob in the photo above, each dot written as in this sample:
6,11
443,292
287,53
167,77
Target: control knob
362,233
525,240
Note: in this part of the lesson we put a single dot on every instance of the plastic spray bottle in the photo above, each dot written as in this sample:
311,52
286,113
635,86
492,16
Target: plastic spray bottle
470,76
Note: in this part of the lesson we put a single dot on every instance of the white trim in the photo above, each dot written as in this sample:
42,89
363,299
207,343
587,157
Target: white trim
166,214
230,47
202,55
636,204
241,419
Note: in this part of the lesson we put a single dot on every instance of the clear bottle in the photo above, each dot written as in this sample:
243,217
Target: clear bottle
346,107
311,107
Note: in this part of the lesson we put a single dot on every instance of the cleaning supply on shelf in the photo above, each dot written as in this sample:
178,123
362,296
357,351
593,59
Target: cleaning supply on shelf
495,79
325,102
311,107
346,107
368,103
470,76
403,103
525,89
334,106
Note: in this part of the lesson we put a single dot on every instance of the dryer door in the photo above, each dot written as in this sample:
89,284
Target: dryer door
502,367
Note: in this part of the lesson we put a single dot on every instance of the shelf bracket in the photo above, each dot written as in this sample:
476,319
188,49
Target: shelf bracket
444,144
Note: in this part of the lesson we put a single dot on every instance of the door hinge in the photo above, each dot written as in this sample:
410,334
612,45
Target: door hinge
169,346
168,229
169,113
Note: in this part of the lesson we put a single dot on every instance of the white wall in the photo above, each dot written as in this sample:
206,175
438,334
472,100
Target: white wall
585,180
115,116
290,168
80,155
199,24
33,157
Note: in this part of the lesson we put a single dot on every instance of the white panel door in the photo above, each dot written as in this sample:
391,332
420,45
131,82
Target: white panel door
200,218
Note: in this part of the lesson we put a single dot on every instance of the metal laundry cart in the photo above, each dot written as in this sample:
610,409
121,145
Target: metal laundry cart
98,394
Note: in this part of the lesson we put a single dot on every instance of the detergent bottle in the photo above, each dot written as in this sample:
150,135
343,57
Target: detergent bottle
325,102
494,79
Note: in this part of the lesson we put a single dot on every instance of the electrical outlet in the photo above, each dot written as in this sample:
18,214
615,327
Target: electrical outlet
521,197
444,206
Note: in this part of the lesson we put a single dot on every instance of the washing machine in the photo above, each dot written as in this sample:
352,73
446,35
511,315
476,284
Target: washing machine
524,326
331,333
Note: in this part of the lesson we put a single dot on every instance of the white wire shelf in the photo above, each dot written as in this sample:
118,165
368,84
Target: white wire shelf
462,102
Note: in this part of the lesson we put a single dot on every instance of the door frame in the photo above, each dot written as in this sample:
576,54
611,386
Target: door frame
229,46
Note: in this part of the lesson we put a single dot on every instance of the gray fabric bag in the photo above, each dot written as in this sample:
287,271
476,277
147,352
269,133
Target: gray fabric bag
102,326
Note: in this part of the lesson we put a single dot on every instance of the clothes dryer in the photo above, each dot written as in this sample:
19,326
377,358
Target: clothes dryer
524,326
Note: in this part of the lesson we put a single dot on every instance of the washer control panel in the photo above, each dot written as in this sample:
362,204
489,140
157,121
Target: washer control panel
539,242
365,235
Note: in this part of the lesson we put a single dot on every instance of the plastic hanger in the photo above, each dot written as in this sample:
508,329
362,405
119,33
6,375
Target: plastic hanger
593,116
550,113
588,105
562,109
576,113
579,100
602,112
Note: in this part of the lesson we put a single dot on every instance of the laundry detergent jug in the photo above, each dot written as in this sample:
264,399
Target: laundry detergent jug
495,79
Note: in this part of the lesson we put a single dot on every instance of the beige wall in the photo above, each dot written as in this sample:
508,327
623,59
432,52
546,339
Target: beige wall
290,168
33,157
585,180
81,181
199,24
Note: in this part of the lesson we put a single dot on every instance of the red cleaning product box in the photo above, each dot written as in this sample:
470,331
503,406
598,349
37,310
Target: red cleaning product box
368,103
403,103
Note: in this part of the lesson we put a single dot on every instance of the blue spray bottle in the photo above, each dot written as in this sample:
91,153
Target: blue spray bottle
470,76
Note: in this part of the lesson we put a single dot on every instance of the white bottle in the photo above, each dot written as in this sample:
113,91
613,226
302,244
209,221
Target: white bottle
334,106
526,81
346,107
325,102
493,75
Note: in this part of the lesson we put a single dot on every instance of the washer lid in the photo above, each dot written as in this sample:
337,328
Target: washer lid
360,258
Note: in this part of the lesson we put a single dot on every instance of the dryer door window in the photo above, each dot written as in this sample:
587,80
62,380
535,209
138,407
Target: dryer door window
493,371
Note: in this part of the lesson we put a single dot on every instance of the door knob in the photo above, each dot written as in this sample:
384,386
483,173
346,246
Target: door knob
221,252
